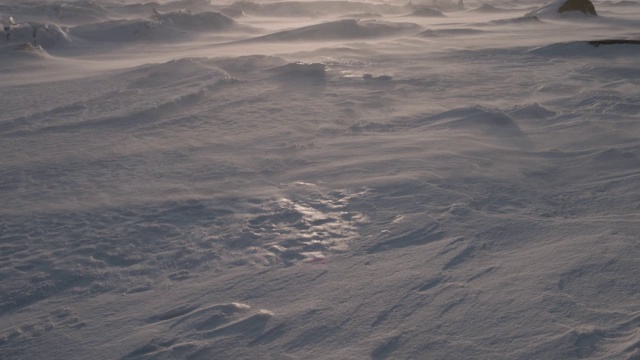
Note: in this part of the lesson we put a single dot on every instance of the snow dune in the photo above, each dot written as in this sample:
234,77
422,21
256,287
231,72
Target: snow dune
341,30
314,8
159,27
296,182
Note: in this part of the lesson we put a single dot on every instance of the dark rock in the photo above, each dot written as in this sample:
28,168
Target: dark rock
584,6
597,43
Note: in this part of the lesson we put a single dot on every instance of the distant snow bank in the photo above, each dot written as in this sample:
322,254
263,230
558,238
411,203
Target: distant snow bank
159,27
341,30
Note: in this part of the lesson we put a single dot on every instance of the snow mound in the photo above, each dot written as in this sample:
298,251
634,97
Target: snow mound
148,95
298,69
625,3
615,158
49,36
530,111
233,11
427,12
489,9
190,331
314,8
564,8
176,73
475,117
77,13
190,5
201,22
450,32
521,20
125,31
249,63
174,25
482,123
133,9
367,15
18,33
342,30
23,50
45,35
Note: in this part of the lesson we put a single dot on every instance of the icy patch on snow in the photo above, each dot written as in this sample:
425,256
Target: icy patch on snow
304,228
170,242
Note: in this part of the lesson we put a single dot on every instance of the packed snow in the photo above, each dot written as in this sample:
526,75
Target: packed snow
197,179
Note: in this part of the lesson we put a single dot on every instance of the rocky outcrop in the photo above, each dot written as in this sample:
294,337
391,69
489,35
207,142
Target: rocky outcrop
584,6
564,8
597,43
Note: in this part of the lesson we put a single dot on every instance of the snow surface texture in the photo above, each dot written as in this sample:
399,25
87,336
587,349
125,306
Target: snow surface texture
319,180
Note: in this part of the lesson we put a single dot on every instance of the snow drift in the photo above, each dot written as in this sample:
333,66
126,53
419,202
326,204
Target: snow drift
160,27
342,30
296,184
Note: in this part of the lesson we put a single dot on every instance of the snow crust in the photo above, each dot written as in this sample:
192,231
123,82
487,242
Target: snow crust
319,180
